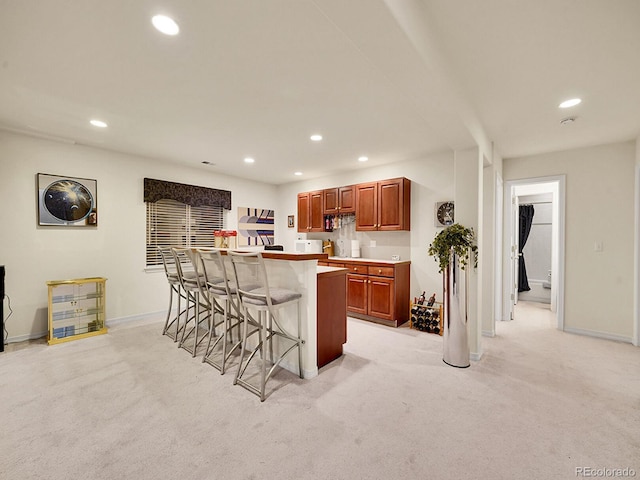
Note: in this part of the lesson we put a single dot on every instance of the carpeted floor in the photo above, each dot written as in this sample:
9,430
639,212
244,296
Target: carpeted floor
130,405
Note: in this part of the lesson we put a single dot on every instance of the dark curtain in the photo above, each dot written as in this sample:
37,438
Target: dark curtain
193,195
526,219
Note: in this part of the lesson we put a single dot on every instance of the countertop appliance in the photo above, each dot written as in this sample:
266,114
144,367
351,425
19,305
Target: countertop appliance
309,246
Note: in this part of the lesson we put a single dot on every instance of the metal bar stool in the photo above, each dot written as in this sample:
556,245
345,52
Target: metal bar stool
260,304
172,325
189,282
219,291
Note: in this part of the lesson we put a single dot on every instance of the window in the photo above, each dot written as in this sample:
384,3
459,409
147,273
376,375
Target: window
174,224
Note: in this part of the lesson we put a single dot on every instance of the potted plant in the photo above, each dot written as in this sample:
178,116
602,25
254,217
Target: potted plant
454,244
457,238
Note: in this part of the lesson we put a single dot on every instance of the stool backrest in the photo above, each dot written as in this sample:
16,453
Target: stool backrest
169,263
251,277
185,268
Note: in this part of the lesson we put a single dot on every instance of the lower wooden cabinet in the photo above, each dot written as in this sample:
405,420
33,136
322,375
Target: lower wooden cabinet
332,316
378,292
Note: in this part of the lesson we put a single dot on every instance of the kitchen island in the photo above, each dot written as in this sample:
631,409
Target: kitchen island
323,316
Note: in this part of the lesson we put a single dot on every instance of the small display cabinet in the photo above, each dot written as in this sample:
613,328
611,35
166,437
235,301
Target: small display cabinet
427,318
76,309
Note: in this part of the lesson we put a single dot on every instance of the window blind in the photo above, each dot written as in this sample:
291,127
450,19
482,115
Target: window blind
174,224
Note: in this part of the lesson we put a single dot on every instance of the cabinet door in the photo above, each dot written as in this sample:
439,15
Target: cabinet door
380,297
367,206
357,293
391,204
347,199
316,218
331,201
303,212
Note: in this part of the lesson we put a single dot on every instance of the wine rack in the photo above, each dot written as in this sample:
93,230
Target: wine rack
427,318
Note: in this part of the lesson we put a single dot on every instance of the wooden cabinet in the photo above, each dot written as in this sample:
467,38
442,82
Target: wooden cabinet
378,291
384,205
76,309
331,315
310,218
339,200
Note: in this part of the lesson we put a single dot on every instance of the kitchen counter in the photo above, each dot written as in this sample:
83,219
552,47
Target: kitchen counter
366,260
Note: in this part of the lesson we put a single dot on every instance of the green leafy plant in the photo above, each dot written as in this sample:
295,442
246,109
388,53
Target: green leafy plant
458,238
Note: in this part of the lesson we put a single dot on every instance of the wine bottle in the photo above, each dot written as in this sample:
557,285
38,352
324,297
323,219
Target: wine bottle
431,301
421,299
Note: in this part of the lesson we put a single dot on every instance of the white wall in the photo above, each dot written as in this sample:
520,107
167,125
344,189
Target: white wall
431,181
599,208
115,250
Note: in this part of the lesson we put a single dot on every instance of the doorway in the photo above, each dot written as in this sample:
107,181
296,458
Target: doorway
548,191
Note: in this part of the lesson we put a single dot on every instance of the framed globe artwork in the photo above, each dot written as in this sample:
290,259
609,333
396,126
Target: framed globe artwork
67,201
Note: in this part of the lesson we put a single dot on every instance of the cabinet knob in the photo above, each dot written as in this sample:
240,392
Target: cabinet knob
355,269
379,271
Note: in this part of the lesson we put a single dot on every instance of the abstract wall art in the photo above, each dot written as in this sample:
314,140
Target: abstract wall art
255,226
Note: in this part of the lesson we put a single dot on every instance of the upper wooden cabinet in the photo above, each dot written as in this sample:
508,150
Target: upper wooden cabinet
310,217
384,205
339,200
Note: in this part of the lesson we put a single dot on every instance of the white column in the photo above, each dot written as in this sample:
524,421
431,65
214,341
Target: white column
468,188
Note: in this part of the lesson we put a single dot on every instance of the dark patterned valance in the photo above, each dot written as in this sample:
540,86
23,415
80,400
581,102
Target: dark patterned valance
155,190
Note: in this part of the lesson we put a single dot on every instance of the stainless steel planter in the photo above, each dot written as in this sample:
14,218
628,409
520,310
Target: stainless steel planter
456,336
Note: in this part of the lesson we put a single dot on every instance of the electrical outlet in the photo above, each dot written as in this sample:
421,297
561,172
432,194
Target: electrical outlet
395,257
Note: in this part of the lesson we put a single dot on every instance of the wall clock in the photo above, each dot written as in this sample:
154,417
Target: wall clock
444,214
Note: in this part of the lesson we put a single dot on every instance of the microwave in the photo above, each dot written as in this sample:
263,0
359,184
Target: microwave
308,246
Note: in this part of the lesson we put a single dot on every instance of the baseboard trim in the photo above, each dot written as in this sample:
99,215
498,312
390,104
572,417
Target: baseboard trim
475,356
595,334
25,337
140,318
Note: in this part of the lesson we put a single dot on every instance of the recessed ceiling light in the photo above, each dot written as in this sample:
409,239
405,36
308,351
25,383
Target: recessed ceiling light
98,123
249,160
570,103
316,137
165,24
363,159
297,173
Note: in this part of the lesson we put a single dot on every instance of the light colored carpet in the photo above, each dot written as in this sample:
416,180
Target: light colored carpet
130,405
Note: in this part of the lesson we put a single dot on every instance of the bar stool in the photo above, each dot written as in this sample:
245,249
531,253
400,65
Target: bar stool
188,278
259,306
175,288
219,291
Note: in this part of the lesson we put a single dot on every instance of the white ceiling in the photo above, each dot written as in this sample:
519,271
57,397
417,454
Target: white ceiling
390,79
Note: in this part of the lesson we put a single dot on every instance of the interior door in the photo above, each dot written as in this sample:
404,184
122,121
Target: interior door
515,251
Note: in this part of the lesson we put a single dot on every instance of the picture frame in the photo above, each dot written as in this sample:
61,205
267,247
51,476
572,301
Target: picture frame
67,201
290,221
444,213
